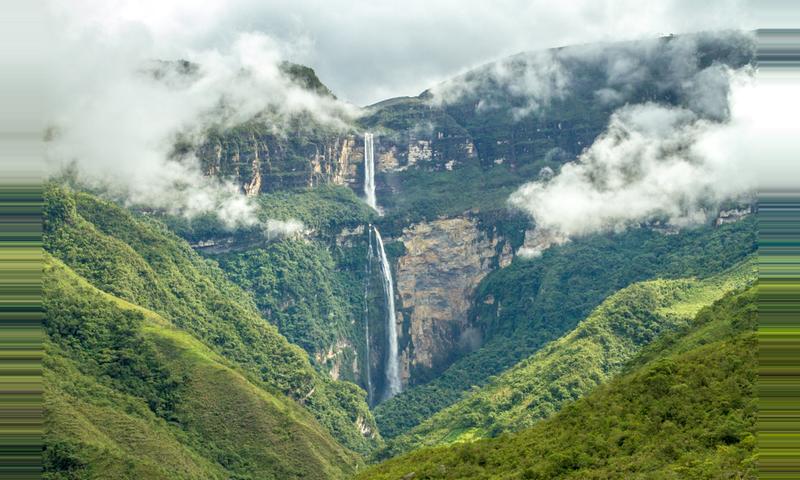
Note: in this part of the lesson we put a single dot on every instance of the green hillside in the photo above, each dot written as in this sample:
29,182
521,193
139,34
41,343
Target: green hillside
571,366
684,408
138,260
524,306
130,396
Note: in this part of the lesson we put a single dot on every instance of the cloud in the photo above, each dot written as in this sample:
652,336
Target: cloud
653,162
536,78
116,109
613,73
276,229
367,52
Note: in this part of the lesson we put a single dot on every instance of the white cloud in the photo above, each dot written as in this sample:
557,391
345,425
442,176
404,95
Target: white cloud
616,73
653,162
276,229
536,78
367,52
115,109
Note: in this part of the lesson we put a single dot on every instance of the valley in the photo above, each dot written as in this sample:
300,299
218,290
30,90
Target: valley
390,313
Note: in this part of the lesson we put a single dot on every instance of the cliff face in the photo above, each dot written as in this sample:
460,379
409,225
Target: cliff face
258,161
444,261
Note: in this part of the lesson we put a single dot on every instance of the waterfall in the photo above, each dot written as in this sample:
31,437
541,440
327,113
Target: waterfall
366,319
369,172
393,385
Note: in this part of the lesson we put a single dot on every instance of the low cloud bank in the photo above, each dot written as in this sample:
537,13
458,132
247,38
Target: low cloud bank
654,162
117,111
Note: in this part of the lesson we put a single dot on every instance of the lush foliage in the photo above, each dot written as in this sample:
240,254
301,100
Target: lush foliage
297,288
685,408
130,396
522,307
138,260
571,366
325,210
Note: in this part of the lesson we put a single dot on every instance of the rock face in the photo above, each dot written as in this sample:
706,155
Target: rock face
444,261
335,360
259,161
733,215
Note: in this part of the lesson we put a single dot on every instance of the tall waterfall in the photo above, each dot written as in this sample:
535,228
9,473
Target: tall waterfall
366,320
369,172
393,384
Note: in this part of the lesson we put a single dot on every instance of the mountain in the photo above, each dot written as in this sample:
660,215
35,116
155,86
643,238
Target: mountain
263,351
128,395
567,368
520,308
684,408
194,326
446,163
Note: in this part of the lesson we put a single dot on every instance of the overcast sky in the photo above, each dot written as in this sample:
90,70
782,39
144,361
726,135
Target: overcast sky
369,51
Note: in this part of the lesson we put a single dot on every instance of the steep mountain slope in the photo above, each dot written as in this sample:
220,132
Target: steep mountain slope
574,364
459,150
186,366
520,308
138,260
454,153
131,396
685,408
471,141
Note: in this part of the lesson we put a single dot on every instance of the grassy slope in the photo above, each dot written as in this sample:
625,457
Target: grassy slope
138,260
522,307
571,366
210,421
685,408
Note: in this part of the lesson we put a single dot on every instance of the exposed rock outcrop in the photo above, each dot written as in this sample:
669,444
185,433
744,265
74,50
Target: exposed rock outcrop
444,261
334,358
262,161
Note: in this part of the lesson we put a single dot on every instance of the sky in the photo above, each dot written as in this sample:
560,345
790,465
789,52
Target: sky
369,51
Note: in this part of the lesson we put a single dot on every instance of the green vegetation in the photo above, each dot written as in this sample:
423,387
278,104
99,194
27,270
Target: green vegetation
306,77
297,288
428,195
324,209
524,306
130,396
685,408
138,260
571,366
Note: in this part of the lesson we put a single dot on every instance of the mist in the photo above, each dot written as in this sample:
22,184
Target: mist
120,102
654,162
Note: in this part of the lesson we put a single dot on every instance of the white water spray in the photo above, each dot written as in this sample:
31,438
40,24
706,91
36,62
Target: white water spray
369,172
393,384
